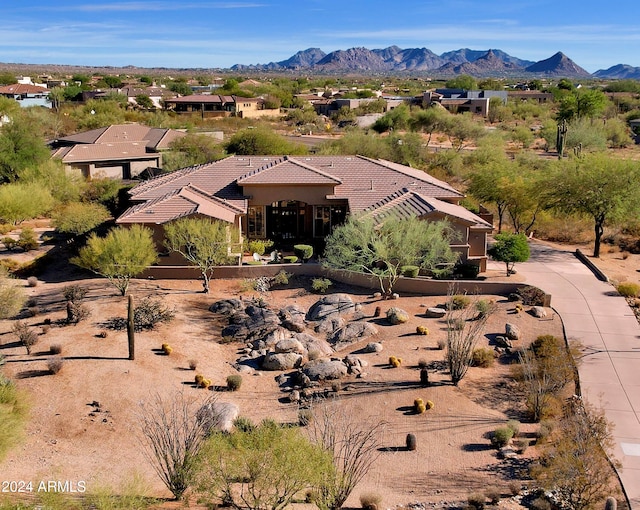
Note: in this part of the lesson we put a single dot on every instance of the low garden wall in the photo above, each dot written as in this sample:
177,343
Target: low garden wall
419,285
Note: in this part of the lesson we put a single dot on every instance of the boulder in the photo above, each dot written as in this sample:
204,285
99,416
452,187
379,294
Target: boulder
397,316
352,332
227,306
324,369
217,416
512,331
373,347
281,361
330,325
293,318
254,323
331,306
315,347
503,342
435,312
539,312
290,345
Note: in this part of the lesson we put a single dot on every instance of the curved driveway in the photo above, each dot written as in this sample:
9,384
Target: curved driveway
605,325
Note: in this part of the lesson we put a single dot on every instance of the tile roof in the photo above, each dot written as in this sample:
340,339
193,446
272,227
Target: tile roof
22,88
404,204
103,152
179,203
154,138
360,181
212,98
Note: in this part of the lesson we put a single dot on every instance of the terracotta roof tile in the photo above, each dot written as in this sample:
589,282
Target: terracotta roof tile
287,171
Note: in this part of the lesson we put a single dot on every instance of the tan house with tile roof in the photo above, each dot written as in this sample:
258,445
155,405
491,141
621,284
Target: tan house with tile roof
215,105
300,199
121,151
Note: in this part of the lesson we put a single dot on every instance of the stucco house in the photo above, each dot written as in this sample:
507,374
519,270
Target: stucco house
120,151
300,199
215,105
27,94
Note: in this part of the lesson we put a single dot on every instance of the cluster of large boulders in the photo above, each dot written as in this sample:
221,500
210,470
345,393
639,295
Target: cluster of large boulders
291,338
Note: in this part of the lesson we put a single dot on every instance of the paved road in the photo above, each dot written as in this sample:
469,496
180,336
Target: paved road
605,325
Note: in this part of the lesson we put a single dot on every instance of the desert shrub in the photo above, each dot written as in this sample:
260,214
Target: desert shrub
290,259
74,293
501,437
55,349
259,246
541,503
9,243
103,333
248,284
410,271
476,500
150,312
514,488
521,445
193,364
544,430
514,425
234,382
411,442
422,330
370,501
628,289
27,239
422,363
77,312
303,251
531,295
12,297
483,357
55,364
46,328
10,266
27,336
243,424
320,285
281,278
32,281
493,495
13,413
456,324
304,417
441,344
253,262
336,386
483,307
167,349
459,302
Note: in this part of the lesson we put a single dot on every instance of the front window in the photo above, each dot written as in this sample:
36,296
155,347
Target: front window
325,218
255,222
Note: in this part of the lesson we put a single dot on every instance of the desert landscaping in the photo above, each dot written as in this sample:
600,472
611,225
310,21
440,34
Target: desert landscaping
84,420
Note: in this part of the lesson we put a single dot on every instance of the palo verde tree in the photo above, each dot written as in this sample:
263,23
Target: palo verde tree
260,467
599,187
119,256
380,250
21,146
205,243
510,248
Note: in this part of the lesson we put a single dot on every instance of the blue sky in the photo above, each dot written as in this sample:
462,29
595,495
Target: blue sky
205,34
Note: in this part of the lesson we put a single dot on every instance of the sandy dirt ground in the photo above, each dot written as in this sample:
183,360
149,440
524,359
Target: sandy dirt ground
84,421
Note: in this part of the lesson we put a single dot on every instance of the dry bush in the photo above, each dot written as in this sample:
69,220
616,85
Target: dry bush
55,364
55,349
27,336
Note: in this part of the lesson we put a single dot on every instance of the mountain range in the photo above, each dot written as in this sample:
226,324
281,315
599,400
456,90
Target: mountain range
479,63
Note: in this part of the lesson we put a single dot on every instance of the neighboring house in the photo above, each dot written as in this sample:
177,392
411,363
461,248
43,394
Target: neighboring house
27,94
300,199
157,94
459,100
215,105
531,95
121,151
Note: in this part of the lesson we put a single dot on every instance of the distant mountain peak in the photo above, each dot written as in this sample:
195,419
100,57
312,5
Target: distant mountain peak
558,65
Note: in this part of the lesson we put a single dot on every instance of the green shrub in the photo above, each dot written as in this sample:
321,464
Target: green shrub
234,382
514,425
74,293
466,271
12,297
253,262
628,289
27,239
281,278
459,302
259,246
305,416
243,424
303,251
13,413
501,437
483,357
320,285
9,242
483,307
410,271
290,259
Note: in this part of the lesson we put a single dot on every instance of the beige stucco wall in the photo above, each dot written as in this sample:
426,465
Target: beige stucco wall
266,195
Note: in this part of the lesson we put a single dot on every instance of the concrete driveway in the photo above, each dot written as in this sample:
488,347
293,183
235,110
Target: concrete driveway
605,325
